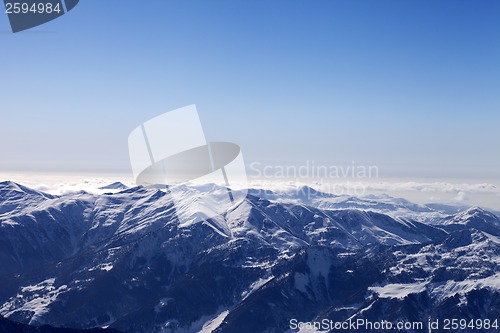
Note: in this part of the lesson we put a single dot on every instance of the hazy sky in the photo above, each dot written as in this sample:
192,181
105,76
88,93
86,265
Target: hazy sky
410,86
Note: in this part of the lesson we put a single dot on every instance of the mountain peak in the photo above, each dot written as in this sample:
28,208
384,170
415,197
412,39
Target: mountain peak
10,186
114,186
307,193
476,217
476,212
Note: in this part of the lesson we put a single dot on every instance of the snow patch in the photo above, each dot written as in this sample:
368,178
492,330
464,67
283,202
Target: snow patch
35,299
256,285
399,290
213,324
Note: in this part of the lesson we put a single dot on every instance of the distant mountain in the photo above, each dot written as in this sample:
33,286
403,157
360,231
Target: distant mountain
447,209
385,204
125,260
114,186
473,218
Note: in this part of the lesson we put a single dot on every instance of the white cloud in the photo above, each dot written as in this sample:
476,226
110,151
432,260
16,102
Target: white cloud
62,184
433,187
461,196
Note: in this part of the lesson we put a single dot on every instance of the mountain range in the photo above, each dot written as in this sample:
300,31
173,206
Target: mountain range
124,260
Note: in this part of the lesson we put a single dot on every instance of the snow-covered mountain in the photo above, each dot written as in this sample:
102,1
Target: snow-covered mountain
125,260
114,186
384,204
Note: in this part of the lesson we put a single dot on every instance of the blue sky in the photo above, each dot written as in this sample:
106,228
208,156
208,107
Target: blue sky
409,86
